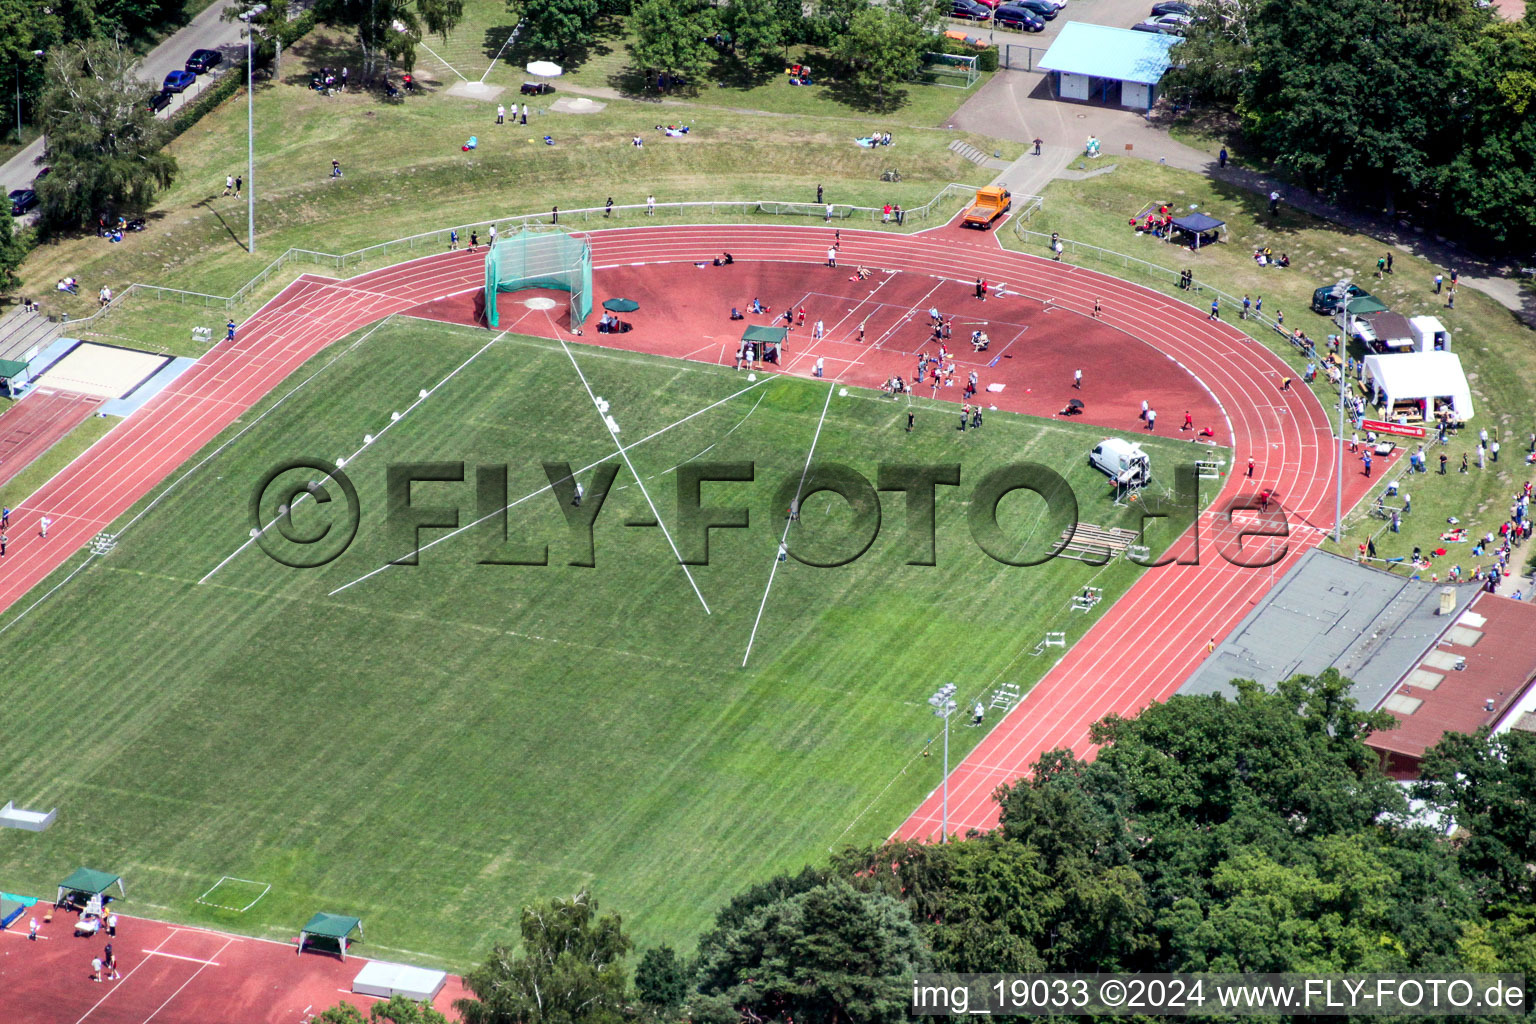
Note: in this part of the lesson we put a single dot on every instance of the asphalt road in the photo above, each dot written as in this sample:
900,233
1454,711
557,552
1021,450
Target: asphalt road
206,31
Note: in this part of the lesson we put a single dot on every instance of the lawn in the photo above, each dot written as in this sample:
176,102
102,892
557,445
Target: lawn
437,744
405,173
1495,348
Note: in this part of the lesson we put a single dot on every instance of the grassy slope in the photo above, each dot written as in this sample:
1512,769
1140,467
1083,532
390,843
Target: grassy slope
1495,349
441,743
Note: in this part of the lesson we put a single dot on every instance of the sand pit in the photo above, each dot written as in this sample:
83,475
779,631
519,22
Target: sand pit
101,370
576,105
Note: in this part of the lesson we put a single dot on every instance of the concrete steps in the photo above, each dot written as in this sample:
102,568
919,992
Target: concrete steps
969,152
21,331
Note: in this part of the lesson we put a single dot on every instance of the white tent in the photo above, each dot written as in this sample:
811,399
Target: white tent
1424,380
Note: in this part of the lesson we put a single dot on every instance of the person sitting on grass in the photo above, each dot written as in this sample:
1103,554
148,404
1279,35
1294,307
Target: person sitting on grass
1284,260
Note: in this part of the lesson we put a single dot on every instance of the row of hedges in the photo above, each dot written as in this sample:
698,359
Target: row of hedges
986,58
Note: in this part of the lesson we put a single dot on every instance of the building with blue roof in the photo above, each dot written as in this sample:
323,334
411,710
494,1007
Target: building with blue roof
1111,65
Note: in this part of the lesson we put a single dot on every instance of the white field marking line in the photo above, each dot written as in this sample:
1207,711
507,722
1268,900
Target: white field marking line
348,460
624,454
118,985
706,451
188,959
505,43
546,487
184,984
203,899
181,479
445,64
784,538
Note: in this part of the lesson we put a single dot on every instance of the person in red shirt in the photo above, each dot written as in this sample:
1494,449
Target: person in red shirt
1189,421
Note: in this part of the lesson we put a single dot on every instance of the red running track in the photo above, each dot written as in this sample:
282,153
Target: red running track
36,423
168,974
1138,652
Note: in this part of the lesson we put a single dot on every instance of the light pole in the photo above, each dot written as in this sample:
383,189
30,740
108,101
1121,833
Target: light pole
943,704
35,53
250,144
1341,292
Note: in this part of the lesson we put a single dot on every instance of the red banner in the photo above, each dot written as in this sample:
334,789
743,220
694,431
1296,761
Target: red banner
1401,429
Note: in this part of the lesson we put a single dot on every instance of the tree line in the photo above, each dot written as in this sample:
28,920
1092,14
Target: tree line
1251,835
1426,108
876,46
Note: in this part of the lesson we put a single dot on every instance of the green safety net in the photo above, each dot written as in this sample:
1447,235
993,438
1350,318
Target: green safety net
540,259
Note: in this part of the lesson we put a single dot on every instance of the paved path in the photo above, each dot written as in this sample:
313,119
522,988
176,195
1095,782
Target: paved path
206,31
1021,106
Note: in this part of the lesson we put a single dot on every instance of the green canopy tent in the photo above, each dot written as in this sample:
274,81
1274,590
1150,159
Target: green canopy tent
1365,305
89,883
13,374
336,927
767,339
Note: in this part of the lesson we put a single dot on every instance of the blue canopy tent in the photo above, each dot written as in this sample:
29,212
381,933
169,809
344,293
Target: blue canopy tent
1197,226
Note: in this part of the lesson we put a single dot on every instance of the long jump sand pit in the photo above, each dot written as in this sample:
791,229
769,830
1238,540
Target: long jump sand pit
101,370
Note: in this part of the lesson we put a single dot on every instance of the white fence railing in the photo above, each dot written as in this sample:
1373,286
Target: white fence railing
947,198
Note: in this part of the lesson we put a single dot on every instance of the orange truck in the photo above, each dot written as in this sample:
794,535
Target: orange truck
991,203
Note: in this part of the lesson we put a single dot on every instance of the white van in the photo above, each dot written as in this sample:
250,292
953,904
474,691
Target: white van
1122,461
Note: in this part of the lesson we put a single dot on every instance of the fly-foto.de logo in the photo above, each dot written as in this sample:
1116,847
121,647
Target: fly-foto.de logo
305,513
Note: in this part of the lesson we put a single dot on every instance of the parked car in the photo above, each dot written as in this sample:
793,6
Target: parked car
1167,24
1173,7
969,10
178,81
1323,301
203,61
40,175
1015,15
22,200
159,101
1042,9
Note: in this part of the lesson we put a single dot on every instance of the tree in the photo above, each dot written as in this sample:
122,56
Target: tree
671,38
104,143
1350,93
571,970
1487,183
1483,783
829,955
757,35
13,251
555,27
1216,56
840,13
397,1009
661,980
388,30
880,48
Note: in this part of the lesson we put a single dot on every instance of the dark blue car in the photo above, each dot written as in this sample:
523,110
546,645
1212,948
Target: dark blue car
1017,15
1043,9
177,81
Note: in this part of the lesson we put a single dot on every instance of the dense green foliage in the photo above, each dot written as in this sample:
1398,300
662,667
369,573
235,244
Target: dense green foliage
670,38
570,968
1423,105
387,31
396,1009
1253,835
873,47
555,27
103,141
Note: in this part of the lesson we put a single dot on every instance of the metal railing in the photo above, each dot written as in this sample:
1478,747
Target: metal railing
436,240
1083,250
